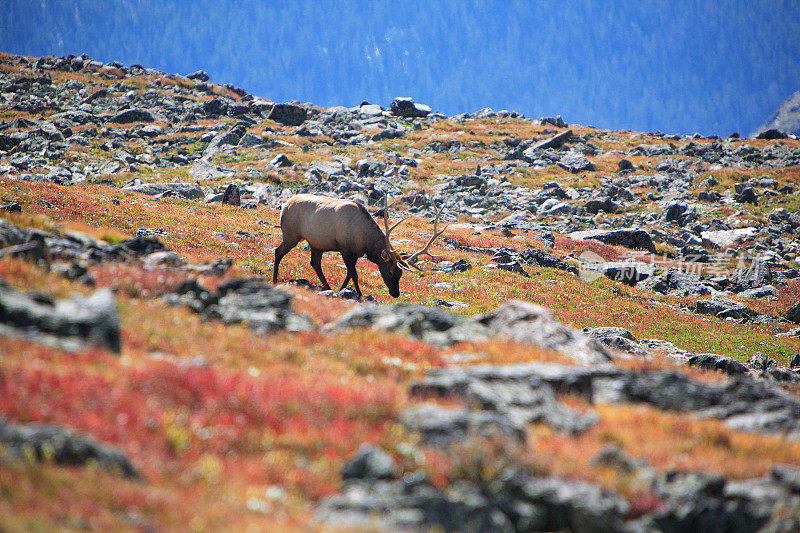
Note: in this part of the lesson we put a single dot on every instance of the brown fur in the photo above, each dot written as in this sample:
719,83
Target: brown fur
332,224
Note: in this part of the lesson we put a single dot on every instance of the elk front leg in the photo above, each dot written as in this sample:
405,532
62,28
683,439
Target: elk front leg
316,263
282,249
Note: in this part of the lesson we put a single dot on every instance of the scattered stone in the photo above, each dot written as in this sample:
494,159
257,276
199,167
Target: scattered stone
231,195
199,75
575,162
772,134
724,308
617,338
406,107
133,115
249,301
72,323
288,114
793,313
635,239
370,463
519,321
712,361
45,442
191,191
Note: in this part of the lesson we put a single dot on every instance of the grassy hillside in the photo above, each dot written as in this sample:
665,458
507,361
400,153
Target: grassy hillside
235,430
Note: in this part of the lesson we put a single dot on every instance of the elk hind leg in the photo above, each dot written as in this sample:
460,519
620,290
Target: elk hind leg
316,263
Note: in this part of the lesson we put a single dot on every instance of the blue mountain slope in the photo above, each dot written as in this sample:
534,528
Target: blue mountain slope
680,66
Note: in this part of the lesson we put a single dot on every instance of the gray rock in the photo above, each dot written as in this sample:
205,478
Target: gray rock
370,462
203,169
575,162
712,361
280,160
532,324
605,204
760,292
675,282
73,322
406,107
429,324
191,191
249,301
200,75
517,400
328,168
628,272
678,212
443,426
515,501
617,338
724,308
725,238
529,154
61,445
249,140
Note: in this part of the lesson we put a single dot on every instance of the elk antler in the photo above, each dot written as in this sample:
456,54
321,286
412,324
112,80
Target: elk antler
412,259
386,207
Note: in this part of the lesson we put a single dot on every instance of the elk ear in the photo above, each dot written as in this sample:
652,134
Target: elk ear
385,255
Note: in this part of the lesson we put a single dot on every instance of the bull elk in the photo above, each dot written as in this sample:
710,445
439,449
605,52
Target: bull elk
345,226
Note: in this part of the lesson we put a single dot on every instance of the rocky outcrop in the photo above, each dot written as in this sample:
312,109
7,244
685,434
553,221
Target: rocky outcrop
515,320
250,301
71,323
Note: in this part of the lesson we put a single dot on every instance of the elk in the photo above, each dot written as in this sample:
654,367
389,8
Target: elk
345,226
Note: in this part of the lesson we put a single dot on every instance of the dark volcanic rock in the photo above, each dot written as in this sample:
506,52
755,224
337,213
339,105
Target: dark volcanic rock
406,107
61,445
772,134
793,313
636,239
133,115
288,114
231,195
628,272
